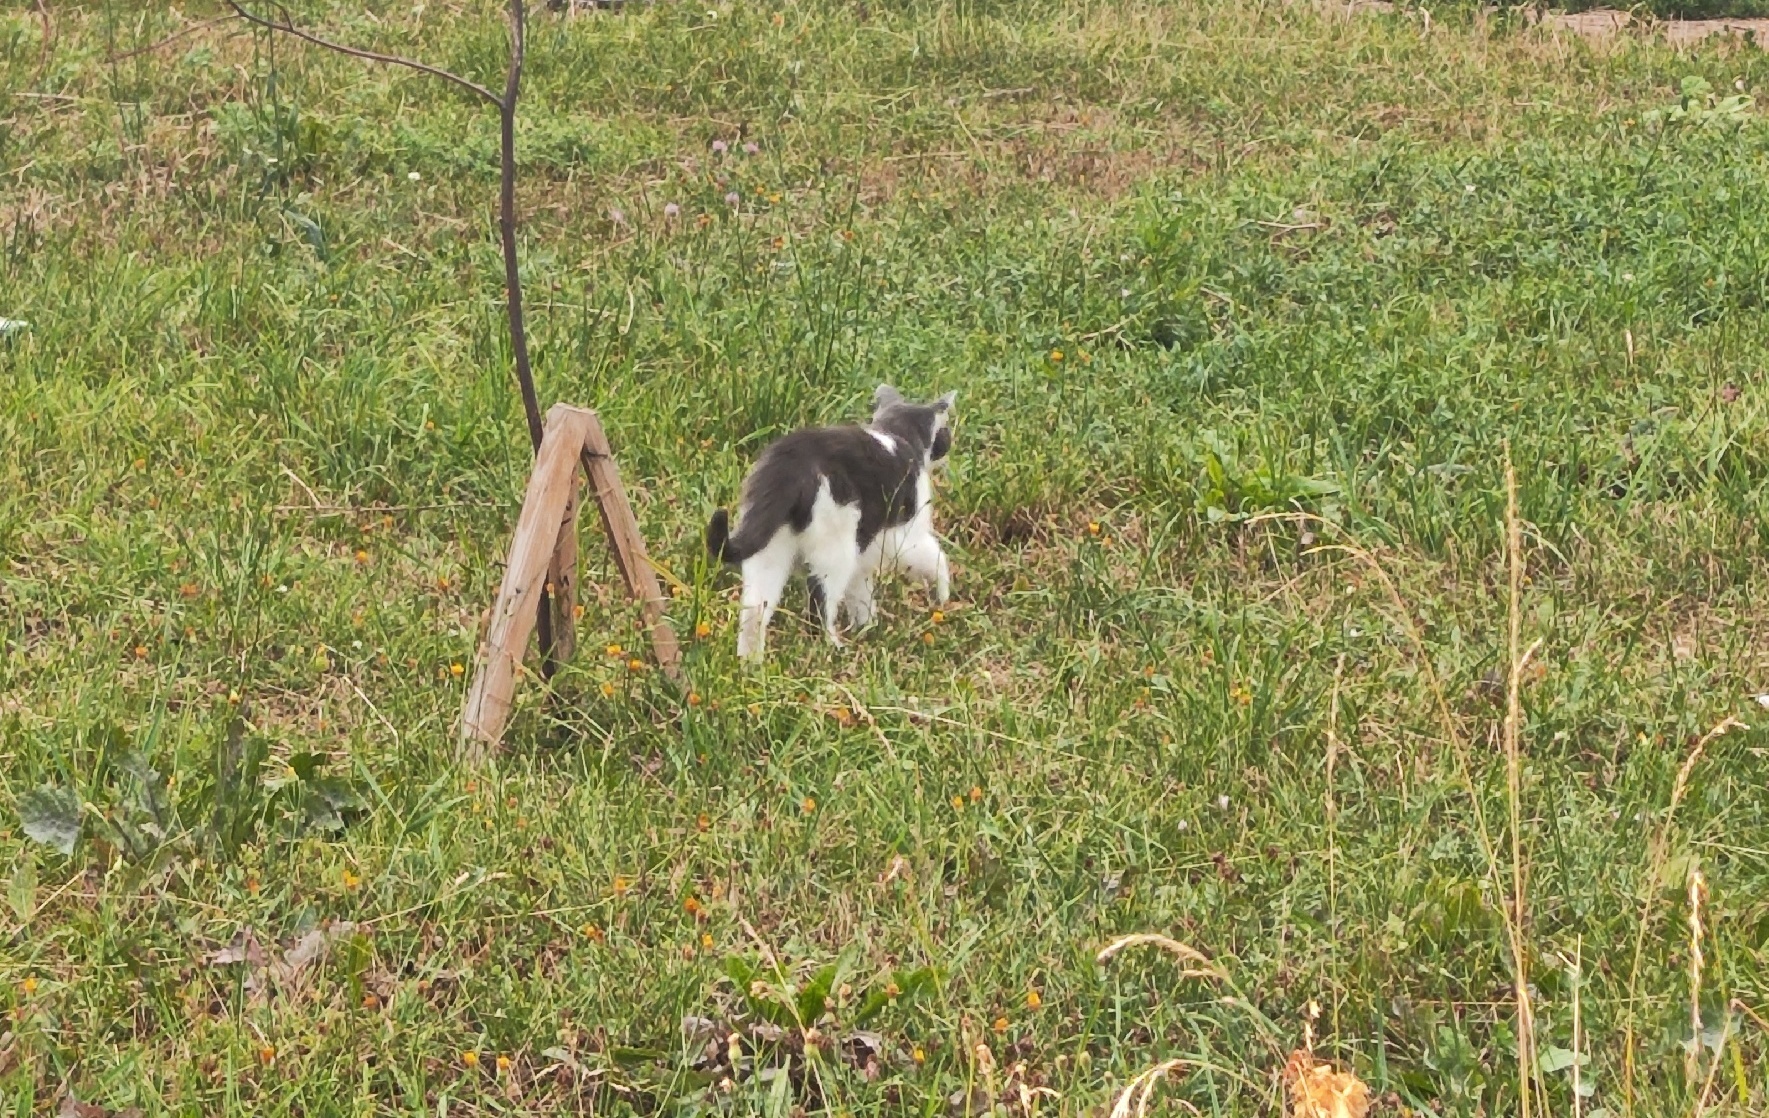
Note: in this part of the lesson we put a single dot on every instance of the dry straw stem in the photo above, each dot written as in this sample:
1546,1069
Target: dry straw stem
1515,926
1333,811
1204,969
1134,1099
1698,891
1655,868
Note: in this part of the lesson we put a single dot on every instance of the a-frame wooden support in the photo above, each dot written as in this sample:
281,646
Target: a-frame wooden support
543,557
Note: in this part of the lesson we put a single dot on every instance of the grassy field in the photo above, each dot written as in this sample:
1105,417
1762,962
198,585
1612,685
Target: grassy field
1246,305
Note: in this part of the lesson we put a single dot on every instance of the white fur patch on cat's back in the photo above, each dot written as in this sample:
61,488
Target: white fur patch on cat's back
889,442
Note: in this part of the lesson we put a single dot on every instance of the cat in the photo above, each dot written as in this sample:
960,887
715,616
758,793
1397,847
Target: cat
846,503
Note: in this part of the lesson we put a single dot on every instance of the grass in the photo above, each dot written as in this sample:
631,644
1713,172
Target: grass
1244,303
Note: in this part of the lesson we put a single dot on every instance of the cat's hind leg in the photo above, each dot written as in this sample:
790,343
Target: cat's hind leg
830,551
764,578
832,573
858,603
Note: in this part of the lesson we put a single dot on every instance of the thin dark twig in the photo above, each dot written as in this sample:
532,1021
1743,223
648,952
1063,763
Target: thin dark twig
507,223
531,405
289,28
172,38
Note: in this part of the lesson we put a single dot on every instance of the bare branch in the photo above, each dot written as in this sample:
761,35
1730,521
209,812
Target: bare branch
288,28
507,222
172,38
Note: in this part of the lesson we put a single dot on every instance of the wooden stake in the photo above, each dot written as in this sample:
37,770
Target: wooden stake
562,582
544,552
629,544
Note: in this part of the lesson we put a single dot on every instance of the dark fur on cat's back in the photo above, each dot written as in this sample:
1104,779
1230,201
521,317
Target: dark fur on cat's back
858,467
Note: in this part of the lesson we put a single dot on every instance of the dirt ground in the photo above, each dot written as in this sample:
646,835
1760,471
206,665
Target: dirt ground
1604,23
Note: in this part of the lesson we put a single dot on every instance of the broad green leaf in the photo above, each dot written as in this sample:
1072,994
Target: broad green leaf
51,816
1555,1059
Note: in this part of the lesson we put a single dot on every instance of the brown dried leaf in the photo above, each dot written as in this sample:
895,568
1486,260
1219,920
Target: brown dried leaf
243,949
1321,1091
310,947
72,1107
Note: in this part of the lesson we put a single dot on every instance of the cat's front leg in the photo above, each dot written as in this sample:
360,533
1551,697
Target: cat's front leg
923,558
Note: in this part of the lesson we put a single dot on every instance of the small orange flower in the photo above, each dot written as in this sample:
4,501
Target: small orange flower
593,933
1001,1024
370,1001
703,630
457,669
470,1058
503,1064
635,665
891,990
608,690
976,794
809,805
252,885
692,906
927,639
141,652
1056,355
614,651
703,822
362,557
919,1055
958,803
266,1054
188,590
693,698
939,617
1033,999
351,881
29,985
621,885
1093,527
706,940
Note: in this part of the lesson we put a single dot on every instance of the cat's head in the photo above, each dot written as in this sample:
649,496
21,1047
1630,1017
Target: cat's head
930,424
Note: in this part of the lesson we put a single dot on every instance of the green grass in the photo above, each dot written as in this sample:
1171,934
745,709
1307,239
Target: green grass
261,441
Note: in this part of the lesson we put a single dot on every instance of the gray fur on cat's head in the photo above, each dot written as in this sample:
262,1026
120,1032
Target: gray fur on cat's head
931,424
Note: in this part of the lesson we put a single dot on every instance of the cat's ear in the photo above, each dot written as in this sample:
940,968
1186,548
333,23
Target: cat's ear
945,402
884,396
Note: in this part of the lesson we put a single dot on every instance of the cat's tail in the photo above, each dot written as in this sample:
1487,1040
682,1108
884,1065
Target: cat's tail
719,543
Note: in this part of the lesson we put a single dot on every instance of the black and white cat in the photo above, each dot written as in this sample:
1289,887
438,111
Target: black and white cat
844,502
